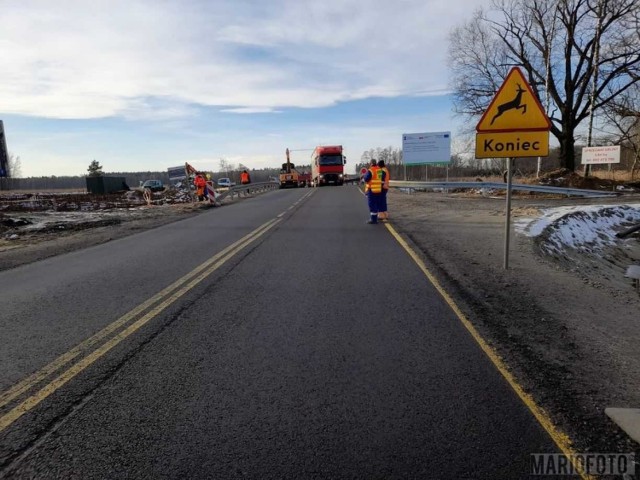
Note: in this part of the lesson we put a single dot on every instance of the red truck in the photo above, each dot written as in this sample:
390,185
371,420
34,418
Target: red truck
327,166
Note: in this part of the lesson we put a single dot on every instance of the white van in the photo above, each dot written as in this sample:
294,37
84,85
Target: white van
225,182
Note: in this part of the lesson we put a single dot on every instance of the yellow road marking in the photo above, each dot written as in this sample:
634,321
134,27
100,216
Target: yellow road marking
35,378
78,367
561,439
306,195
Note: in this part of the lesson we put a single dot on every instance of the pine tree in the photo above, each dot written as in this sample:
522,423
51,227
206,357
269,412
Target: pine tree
95,169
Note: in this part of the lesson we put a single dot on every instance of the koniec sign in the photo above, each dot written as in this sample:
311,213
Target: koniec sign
514,124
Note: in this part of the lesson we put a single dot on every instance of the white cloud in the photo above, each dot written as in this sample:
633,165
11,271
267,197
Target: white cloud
250,110
80,59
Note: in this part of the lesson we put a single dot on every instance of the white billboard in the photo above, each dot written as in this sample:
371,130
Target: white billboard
424,148
600,155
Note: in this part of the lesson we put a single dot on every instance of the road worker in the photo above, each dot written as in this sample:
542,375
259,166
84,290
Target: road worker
374,163
373,181
382,214
201,186
245,179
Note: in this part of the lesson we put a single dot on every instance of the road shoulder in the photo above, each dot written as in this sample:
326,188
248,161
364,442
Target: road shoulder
567,341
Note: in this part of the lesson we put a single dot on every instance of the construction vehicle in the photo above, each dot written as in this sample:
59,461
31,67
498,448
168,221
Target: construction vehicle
289,176
327,165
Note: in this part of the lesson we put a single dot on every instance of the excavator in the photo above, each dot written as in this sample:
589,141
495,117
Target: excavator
289,176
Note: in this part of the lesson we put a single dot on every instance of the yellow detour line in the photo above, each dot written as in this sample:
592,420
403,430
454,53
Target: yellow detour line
203,270
560,438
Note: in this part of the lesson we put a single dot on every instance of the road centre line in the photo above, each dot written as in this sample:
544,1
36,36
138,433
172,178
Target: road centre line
560,438
301,199
37,377
32,401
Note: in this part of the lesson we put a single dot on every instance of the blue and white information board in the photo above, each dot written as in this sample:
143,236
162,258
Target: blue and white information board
176,173
425,148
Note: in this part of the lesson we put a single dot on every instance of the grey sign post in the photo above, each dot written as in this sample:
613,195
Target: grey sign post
507,228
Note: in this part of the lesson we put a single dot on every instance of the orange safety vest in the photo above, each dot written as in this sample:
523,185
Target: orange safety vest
375,183
199,181
244,178
385,185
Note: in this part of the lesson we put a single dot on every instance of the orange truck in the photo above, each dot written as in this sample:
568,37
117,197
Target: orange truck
327,166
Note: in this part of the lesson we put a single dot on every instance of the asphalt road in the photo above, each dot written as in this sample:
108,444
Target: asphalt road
314,348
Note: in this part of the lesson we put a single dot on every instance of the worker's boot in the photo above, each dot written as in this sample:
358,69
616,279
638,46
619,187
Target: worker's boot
373,219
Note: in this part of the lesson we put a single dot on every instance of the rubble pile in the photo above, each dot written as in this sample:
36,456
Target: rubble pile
84,202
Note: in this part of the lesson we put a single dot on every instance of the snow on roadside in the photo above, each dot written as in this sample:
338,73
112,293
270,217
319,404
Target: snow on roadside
28,223
586,228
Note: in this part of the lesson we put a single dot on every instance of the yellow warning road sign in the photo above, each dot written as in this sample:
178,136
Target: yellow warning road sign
512,144
514,108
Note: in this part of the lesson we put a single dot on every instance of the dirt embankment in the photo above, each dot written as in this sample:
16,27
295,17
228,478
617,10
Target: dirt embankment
34,226
563,177
29,237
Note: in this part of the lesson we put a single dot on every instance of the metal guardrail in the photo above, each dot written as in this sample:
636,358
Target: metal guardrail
247,189
578,192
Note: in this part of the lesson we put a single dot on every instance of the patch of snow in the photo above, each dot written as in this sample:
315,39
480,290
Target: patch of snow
584,227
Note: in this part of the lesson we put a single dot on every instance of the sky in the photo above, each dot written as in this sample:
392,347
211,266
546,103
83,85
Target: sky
144,85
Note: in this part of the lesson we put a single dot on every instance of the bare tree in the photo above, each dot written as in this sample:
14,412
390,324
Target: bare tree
586,52
623,117
15,166
225,166
365,157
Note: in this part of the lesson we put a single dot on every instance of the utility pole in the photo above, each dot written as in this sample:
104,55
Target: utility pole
594,78
546,79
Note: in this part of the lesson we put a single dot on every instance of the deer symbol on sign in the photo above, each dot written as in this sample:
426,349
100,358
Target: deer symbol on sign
512,105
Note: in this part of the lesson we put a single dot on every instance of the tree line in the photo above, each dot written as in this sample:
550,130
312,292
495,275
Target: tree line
133,179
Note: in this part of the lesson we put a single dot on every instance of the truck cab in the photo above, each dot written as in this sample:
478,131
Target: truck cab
327,165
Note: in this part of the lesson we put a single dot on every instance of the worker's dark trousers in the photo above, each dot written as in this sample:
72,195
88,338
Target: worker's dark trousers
374,200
